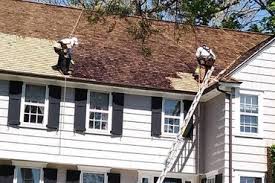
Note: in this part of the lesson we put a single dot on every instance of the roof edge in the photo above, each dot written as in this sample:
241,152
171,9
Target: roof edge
90,81
269,41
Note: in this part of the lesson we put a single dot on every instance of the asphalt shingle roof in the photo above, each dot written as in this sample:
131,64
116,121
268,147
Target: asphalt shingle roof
114,57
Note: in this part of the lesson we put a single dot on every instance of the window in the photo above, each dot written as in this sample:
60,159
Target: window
145,180
169,180
249,111
172,116
99,107
93,178
250,180
210,180
28,175
34,104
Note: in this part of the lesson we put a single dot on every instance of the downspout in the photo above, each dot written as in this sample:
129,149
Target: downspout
229,96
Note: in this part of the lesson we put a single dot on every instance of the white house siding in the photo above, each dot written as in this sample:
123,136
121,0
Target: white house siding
212,135
257,75
136,149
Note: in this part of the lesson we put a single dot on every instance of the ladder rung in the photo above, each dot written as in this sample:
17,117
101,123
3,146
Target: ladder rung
177,146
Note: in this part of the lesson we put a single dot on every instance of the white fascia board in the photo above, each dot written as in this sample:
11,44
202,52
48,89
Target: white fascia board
98,87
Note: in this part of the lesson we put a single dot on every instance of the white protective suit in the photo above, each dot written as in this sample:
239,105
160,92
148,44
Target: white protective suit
204,52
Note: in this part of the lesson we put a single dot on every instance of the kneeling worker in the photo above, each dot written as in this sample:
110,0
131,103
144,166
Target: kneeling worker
64,49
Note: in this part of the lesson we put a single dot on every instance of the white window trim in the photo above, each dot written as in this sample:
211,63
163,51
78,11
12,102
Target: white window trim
240,174
31,165
181,117
110,109
46,108
238,132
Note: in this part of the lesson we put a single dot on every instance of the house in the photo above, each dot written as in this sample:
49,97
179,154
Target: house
115,117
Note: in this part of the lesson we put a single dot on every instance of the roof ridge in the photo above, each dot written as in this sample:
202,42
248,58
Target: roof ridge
48,4
155,20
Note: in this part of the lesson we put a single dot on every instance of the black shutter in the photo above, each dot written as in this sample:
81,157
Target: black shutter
172,180
218,178
73,176
156,107
6,173
258,180
189,128
80,109
54,107
113,178
50,175
15,93
117,114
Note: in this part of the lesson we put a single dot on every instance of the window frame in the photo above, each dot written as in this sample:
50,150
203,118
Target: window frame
30,165
110,108
259,94
181,117
93,172
150,175
250,114
22,107
240,174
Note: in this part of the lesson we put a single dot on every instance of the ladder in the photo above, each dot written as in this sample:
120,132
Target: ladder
178,144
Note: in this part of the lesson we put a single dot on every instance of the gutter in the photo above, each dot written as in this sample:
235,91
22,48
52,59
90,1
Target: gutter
229,96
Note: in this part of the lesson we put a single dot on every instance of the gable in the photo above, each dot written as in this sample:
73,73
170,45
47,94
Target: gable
259,69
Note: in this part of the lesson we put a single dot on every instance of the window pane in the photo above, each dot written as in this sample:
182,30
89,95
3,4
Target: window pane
98,120
104,125
171,125
27,109
26,118
249,124
176,130
172,107
249,103
145,180
247,179
33,119
40,110
33,109
35,93
91,124
97,124
27,175
40,119
93,178
99,101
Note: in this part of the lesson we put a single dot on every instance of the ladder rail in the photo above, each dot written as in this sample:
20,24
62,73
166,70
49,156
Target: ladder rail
178,144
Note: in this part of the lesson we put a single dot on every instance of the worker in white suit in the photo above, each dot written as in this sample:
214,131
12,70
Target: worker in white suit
64,49
206,58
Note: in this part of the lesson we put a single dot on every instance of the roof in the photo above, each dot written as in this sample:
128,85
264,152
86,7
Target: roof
113,56
24,55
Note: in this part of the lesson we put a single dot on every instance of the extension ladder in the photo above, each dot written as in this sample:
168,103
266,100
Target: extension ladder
178,144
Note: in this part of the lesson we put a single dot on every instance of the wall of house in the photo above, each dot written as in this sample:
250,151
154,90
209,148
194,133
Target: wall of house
258,77
136,149
212,135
